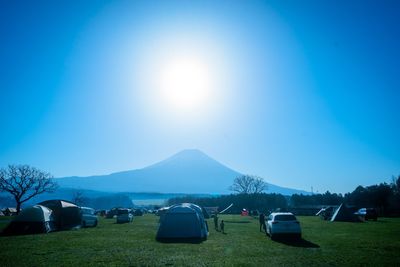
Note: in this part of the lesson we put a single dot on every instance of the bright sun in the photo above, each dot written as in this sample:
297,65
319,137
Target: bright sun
185,83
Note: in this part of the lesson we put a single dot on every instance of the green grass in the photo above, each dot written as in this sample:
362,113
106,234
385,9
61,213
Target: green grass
110,244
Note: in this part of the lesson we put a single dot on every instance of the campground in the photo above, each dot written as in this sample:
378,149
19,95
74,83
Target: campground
133,244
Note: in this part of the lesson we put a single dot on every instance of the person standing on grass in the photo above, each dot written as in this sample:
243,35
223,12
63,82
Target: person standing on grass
222,226
216,221
262,222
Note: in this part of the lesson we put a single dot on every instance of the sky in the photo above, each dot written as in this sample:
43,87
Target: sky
302,93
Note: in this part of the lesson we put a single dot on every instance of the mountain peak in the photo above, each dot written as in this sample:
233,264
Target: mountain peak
190,152
186,156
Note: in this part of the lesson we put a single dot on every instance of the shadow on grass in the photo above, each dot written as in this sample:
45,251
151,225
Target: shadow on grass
180,240
219,231
295,242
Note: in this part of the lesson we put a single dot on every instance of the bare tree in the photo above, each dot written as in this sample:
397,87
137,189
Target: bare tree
78,198
248,184
24,182
259,185
242,184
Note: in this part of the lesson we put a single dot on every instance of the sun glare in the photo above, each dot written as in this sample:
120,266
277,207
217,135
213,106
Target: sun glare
184,80
185,83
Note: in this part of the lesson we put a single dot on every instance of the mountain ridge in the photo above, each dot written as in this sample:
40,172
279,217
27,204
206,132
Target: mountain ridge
189,171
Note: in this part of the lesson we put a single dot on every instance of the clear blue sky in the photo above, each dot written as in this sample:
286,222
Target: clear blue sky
305,93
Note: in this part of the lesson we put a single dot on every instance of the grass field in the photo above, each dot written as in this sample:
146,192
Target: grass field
324,244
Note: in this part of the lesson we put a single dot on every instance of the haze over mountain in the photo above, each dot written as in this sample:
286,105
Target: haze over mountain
189,171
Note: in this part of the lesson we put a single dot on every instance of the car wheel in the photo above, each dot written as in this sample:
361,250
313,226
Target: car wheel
84,224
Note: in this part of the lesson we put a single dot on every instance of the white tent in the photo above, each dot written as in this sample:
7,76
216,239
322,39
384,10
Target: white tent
32,220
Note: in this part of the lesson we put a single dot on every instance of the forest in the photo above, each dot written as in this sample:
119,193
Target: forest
384,197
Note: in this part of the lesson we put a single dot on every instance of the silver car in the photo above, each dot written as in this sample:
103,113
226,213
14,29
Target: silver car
89,219
283,223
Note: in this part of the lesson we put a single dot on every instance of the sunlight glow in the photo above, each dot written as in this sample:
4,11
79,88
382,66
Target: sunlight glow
185,83
182,80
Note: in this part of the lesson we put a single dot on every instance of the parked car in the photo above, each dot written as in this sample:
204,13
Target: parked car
112,213
101,213
138,212
89,219
283,223
124,216
368,213
372,214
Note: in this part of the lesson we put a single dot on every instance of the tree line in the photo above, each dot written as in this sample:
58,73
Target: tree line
384,197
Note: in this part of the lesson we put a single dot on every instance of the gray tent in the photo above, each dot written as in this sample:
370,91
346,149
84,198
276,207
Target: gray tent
32,220
183,221
67,215
344,214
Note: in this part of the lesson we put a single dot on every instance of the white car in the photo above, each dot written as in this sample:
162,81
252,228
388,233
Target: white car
124,216
89,219
283,223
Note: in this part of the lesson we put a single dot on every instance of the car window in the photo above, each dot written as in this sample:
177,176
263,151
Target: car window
123,212
87,211
286,217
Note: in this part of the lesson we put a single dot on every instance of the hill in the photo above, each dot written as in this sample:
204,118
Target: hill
189,171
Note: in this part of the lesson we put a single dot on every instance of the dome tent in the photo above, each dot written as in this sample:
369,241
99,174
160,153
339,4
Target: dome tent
183,221
202,211
66,214
32,220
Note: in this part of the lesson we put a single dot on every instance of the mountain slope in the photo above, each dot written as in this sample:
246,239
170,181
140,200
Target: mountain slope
189,171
